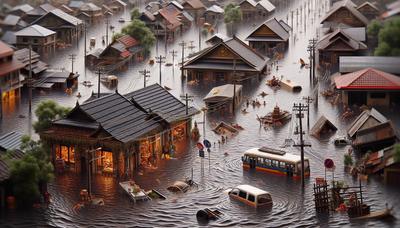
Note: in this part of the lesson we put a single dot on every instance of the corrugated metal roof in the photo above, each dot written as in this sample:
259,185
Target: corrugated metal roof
76,4
366,119
35,30
89,7
10,141
62,15
380,132
24,8
162,102
349,64
11,19
9,37
267,5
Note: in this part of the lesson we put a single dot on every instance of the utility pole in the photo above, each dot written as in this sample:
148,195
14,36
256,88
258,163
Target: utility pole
146,75
187,98
174,54
107,23
183,44
199,38
84,59
308,100
234,86
299,109
160,60
99,71
191,46
72,57
30,79
310,51
313,44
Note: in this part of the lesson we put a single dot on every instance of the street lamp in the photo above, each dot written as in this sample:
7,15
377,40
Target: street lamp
89,170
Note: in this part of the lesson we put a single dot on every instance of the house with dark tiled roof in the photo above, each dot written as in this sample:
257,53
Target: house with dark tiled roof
269,37
370,87
42,40
338,43
195,7
132,131
214,14
369,10
256,10
67,27
344,12
217,63
12,23
38,12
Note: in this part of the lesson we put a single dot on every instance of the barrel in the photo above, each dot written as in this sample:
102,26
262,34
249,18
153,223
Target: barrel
11,202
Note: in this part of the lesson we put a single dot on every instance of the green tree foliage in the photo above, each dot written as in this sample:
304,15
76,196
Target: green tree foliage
389,38
373,28
46,112
135,14
396,155
232,15
30,172
138,30
348,160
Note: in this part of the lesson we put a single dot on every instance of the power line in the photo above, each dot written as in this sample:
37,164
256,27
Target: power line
160,60
99,71
187,98
174,54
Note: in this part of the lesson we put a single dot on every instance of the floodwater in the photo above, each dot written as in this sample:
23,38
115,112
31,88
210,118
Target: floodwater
293,206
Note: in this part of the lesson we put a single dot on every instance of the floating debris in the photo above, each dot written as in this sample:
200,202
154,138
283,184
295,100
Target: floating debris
276,117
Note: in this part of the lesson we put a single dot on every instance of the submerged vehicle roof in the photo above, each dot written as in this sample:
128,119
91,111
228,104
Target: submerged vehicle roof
272,154
251,189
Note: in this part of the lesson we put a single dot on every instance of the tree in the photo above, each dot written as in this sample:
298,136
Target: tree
138,30
396,155
31,173
135,14
232,15
373,28
46,112
389,38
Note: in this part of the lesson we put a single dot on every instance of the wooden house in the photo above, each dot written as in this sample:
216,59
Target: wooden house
214,14
21,10
133,46
150,20
195,7
252,10
269,37
217,63
117,5
168,22
42,40
344,12
368,118
92,10
10,81
132,130
38,12
323,127
375,137
38,66
370,87
336,44
369,10
12,23
67,27
221,98
114,56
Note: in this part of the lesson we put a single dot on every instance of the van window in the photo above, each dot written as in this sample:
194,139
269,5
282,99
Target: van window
251,198
264,199
235,192
242,194
282,165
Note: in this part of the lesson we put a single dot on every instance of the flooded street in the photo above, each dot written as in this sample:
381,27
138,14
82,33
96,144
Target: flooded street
292,205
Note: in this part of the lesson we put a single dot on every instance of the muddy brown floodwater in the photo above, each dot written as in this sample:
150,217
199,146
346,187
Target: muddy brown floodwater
293,206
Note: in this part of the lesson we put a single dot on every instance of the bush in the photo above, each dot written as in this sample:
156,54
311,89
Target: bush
348,160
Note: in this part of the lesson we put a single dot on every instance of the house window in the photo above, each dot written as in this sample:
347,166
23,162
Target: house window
66,153
35,41
378,95
25,40
104,161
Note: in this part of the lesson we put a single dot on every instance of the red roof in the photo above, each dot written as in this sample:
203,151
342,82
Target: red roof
128,41
5,50
368,78
170,14
125,54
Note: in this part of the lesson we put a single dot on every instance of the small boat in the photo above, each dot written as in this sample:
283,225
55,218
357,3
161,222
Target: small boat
121,20
87,83
179,186
376,214
207,214
110,80
276,117
341,141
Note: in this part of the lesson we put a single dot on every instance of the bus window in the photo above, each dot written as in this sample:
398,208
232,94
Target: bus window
275,163
282,165
242,194
268,162
306,165
251,198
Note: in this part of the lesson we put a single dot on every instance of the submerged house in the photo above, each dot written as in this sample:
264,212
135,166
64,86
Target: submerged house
337,44
323,127
67,27
42,40
375,137
195,7
344,12
369,10
224,98
38,12
37,65
369,87
255,10
12,23
269,37
131,130
214,14
216,64
366,119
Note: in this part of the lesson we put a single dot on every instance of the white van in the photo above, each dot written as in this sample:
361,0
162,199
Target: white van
251,195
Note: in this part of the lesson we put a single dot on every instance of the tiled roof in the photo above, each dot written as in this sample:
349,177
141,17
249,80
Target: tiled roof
340,36
368,78
195,4
161,102
350,6
128,41
274,26
10,141
35,30
119,117
171,16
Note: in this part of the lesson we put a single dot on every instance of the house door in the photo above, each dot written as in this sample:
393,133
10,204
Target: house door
83,165
357,98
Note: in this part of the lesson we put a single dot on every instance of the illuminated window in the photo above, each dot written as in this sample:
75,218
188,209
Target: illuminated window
105,161
66,153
